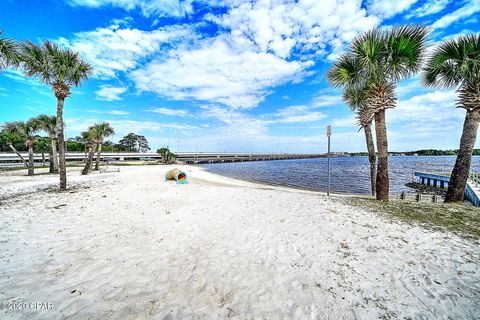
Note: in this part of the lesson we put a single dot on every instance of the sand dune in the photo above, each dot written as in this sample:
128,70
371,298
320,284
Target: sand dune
128,245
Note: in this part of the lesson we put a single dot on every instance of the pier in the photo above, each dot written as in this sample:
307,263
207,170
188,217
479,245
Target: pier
472,190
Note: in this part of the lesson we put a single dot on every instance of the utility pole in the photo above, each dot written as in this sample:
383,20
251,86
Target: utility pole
329,133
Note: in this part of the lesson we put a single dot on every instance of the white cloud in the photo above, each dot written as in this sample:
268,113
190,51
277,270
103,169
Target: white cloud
111,50
109,93
280,26
161,8
389,8
466,11
297,114
218,73
348,121
260,45
119,112
170,112
433,109
429,8
20,77
325,100
235,123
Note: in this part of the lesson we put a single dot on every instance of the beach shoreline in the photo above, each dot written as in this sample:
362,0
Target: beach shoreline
130,245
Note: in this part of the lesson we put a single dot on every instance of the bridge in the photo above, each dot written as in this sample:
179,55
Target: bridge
184,157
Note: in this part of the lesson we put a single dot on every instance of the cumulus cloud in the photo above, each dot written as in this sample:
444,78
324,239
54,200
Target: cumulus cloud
389,8
109,93
434,109
281,26
259,45
216,72
263,44
112,50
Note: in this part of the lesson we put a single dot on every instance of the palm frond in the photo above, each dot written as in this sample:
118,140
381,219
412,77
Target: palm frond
355,97
8,52
405,47
454,62
48,124
346,71
55,66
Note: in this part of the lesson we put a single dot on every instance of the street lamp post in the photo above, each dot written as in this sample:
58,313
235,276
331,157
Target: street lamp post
329,133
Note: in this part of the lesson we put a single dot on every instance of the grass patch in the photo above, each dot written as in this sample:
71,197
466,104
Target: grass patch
461,219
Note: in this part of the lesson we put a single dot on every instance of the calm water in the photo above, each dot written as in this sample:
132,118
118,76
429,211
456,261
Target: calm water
348,174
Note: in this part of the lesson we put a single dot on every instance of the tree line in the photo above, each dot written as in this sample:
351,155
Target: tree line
369,71
24,136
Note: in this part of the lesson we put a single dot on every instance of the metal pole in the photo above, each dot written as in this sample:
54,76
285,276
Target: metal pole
329,133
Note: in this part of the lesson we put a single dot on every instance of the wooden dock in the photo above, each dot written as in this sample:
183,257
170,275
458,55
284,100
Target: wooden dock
472,190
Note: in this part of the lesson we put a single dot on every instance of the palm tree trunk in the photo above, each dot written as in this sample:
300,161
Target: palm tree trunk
55,155
99,151
61,145
18,154
31,163
458,180
383,184
372,158
50,162
43,158
88,164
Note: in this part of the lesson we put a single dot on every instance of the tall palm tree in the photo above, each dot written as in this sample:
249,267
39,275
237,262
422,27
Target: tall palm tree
26,130
49,125
8,52
356,99
60,69
90,136
378,59
456,64
101,131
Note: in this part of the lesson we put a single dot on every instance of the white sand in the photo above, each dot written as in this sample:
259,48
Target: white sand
130,246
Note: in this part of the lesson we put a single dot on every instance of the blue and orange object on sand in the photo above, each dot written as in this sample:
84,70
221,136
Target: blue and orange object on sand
177,175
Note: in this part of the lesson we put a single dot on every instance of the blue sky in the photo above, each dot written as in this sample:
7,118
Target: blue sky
232,75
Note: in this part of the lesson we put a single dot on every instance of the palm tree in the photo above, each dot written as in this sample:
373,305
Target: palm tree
364,116
8,52
377,60
101,131
60,69
49,125
10,139
26,130
456,64
90,137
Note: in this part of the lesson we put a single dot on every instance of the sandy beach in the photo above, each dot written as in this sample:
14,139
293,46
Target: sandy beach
128,245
